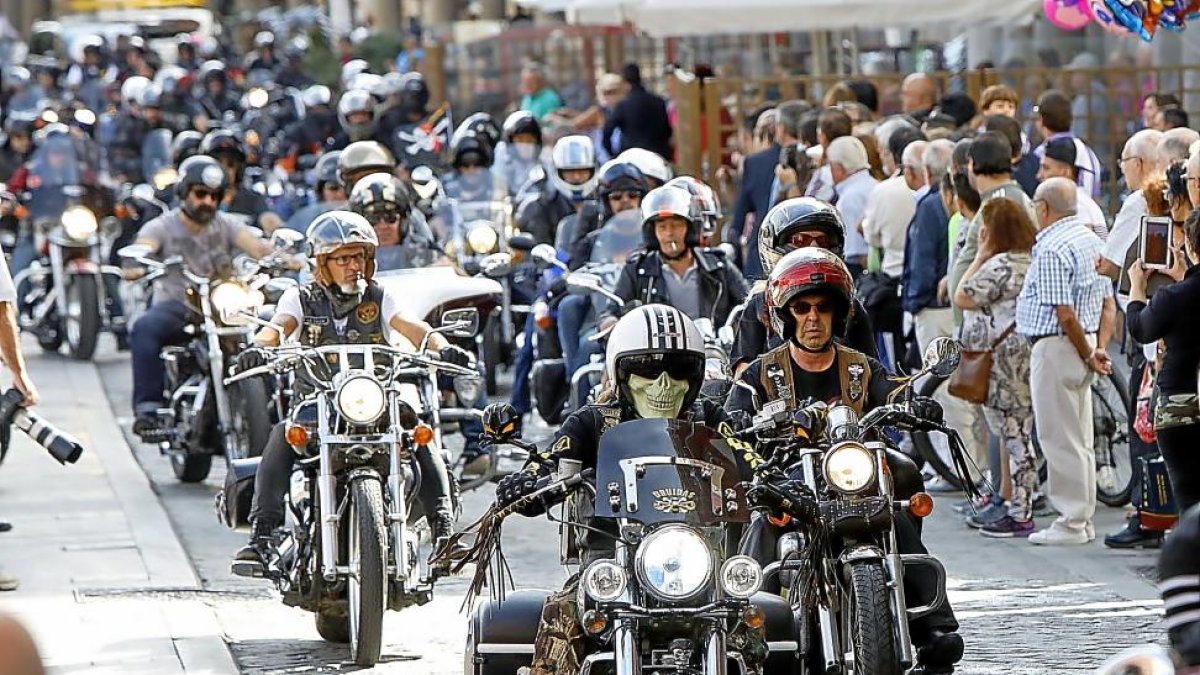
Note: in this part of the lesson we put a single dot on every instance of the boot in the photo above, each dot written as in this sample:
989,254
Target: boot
1133,536
251,560
939,654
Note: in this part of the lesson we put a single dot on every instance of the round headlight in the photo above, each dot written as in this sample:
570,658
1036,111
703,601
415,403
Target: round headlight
467,388
482,238
605,581
79,222
674,563
230,298
361,400
741,576
850,468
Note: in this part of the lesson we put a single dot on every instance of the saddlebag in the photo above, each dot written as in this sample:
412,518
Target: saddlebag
548,380
233,501
783,635
501,634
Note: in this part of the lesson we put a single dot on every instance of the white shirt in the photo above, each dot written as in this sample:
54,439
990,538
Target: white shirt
1089,212
1126,227
289,304
890,208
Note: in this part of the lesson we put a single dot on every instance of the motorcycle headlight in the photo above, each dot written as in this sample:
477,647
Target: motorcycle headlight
482,238
741,576
79,222
361,400
849,468
467,388
605,581
230,298
674,563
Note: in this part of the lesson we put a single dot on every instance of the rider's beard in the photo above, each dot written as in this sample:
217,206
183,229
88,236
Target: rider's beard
353,284
200,213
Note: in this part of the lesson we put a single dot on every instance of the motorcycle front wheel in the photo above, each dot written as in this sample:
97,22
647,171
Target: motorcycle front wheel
367,584
190,467
82,322
870,629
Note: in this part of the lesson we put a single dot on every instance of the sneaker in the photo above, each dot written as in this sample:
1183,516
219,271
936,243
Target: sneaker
8,582
1058,536
971,506
1042,508
1007,528
940,485
991,513
1133,536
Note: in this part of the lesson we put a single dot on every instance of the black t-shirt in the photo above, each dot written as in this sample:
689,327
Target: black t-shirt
821,386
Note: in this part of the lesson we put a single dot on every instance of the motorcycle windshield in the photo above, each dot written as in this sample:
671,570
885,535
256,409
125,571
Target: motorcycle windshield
55,163
156,155
666,471
619,237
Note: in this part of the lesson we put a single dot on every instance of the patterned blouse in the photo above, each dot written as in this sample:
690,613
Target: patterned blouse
995,288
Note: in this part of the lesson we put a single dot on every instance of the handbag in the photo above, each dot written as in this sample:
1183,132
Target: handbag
970,381
1143,420
1159,510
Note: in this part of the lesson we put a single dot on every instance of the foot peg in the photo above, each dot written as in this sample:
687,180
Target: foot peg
248,568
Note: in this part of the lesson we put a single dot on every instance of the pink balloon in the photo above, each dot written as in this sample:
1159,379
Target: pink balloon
1066,14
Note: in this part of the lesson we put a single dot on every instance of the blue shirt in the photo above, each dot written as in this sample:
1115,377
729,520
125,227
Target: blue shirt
926,255
1063,273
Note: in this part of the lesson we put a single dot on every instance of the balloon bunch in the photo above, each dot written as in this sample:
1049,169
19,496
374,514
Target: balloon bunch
1122,17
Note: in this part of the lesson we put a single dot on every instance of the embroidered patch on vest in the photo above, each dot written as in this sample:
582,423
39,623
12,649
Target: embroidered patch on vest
856,371
367,312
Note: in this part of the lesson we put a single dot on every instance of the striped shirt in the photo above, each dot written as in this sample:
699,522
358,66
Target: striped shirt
1063,273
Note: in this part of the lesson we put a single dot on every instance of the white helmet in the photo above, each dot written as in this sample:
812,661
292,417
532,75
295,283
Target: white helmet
651,164
315,95
351,70
131,90
652,340
572,153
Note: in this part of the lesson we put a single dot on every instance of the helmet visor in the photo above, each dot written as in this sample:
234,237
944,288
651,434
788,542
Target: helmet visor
677,365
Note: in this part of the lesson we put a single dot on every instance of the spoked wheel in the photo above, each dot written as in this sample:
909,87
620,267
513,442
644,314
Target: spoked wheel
82,322
1114,463
367,584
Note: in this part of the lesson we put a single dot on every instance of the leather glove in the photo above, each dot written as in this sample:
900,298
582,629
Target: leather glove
456,356
252,357
515,486
786,496
928,410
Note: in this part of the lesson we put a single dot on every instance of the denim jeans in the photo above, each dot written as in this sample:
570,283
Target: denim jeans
522,366
573,313
23,256
159,326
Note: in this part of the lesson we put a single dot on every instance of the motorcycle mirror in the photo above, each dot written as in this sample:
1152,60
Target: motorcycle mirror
501,423
547,255
134,251
144,192
523,241
460,323
942,356
283,238
496,265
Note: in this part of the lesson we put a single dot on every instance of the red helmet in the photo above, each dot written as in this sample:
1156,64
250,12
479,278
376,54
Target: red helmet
809,270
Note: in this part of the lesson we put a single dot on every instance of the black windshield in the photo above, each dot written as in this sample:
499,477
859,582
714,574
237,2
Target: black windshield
659,471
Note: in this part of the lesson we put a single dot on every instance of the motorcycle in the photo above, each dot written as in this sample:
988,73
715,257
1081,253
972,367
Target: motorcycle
68,219
669,597
203,416
840,566
353,546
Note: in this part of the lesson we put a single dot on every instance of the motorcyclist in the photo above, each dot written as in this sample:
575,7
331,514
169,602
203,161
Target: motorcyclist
673,269
356,114
792,224
653,166
207,240
405,240
125,147
810,299
319,131
263,57
215,97
707,203
519,152
184,145
331,196
292,72
17,147
342,304
20,93
91,68
185,53
363,158
173,82
470,180
622,187
561,192
654,369
227,147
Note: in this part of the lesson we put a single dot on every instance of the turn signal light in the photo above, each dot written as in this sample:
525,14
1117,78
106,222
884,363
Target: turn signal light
423,434
779,521
753,617
920,505
594,622
544,322
21,213
297,435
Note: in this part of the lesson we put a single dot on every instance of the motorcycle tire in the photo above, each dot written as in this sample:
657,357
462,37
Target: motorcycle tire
81,340
190,467
251,407
869,620
333,627
49,336
367,549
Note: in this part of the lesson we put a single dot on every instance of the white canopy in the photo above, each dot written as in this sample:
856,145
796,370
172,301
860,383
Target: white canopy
704,17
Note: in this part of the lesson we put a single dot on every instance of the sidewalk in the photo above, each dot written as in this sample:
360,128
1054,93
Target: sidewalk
105,584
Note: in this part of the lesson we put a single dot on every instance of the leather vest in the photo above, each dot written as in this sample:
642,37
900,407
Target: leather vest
854,372
363,325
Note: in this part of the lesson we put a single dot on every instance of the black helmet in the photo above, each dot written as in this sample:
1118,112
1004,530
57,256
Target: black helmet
522,122
620,177
482,125
326,169
668,201
334,230
380,193
363,157
201,171
470,146
223,142
796,215
414,93
186,144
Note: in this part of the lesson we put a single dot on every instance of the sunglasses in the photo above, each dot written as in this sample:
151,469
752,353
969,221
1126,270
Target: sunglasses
383,217
803,308
624,196
202,194
805,239
345,260
651,366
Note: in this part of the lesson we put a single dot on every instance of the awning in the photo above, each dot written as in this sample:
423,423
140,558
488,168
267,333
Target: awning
660,18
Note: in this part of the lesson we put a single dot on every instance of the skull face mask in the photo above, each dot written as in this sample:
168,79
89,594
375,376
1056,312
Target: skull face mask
659,397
